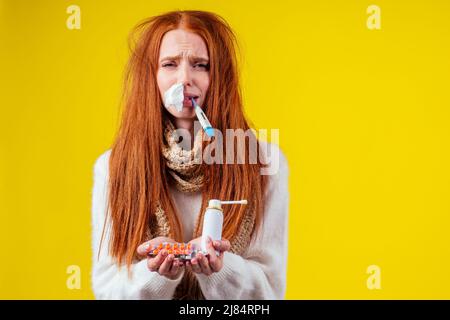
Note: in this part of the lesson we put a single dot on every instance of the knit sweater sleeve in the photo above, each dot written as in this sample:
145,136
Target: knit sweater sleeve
108,280
260,273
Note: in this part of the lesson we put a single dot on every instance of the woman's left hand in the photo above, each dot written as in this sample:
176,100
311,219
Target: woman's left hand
212,262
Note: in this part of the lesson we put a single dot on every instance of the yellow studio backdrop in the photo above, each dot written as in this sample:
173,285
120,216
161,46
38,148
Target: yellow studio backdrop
363,114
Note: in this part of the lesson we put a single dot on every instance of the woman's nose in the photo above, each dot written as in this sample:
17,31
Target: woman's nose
184,74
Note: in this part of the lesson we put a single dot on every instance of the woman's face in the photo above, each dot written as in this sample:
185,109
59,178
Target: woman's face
183,58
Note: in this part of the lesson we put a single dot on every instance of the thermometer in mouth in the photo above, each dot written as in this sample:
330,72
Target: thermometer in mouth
206,125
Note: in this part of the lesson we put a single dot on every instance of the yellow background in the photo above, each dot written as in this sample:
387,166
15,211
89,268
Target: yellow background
363,118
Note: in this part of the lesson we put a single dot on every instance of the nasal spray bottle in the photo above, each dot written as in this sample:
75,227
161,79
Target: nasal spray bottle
213,221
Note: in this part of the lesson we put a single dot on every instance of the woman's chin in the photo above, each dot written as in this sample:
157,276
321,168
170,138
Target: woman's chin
185,113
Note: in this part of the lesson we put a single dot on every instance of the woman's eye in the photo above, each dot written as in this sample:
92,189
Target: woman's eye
168,65
202,66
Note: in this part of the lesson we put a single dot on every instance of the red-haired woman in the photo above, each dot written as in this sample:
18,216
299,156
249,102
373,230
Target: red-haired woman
149,190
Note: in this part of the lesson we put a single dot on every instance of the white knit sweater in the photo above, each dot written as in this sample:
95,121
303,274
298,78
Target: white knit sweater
260,273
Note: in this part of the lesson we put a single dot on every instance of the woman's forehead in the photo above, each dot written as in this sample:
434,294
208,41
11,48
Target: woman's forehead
183,43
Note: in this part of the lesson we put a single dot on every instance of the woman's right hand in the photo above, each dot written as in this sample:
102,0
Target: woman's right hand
165,264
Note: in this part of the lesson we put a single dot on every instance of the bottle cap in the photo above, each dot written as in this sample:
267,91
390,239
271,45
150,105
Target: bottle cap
217,204
214,203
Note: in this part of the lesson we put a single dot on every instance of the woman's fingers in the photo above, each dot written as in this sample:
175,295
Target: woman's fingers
144,248
154,264
215,261
164,269
193,264
165,264
212,263
204,264
175,268
223,245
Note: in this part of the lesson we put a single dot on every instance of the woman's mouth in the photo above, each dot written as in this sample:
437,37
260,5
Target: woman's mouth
187,101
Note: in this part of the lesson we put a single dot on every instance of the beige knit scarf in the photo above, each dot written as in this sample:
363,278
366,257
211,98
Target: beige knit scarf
184,167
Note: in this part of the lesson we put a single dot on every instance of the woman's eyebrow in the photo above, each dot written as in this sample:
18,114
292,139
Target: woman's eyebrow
202,59
178,57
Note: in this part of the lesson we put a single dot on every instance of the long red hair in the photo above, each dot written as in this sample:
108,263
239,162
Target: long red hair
137,174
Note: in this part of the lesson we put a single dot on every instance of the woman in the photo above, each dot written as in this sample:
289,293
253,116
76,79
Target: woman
149,190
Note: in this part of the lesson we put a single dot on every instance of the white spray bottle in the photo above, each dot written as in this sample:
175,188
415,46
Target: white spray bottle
213,221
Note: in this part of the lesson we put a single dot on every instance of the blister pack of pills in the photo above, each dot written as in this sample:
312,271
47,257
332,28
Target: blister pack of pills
181,251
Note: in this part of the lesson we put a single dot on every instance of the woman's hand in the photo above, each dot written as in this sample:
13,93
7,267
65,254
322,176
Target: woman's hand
212,263
165,264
